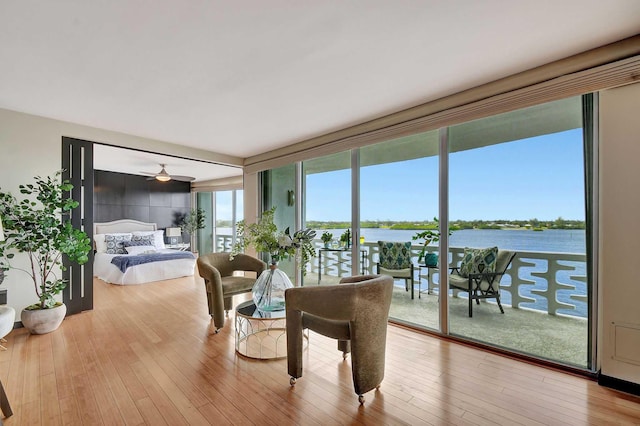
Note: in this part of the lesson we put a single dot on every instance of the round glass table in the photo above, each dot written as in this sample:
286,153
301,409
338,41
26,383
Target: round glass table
260,334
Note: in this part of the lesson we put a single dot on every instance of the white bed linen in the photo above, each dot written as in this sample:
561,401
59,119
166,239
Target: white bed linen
140,274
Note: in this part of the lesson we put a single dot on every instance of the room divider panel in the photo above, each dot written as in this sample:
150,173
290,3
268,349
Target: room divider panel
77,165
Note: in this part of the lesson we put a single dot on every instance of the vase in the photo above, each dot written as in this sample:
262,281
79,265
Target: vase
43,321
431,259
268,291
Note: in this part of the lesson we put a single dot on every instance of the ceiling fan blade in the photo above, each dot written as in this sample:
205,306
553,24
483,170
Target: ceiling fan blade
182,178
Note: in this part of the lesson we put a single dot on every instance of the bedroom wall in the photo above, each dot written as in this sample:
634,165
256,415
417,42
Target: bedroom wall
31,145
125,196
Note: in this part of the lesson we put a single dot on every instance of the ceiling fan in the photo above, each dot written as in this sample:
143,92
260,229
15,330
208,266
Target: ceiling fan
163,176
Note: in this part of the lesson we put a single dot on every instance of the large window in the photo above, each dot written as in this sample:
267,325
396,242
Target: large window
223,209
327,210
516,181
398,200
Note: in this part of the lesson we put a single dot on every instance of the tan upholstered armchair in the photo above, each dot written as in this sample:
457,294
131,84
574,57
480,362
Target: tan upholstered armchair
355,312
217,271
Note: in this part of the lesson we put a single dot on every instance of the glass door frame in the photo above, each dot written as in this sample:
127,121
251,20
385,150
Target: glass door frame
590,127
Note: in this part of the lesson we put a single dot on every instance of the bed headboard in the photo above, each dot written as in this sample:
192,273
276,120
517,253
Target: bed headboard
123,225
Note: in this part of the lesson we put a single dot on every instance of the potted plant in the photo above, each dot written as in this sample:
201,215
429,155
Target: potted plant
193,221
268,291
326,238
431,235
345,238
39,226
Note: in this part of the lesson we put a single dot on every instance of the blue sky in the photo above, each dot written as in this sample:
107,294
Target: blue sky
540,177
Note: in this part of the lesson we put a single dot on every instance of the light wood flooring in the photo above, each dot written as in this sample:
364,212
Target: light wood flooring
146,355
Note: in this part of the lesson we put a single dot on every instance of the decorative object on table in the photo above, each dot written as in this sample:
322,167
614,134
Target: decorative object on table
174,235
43,231
345,239
268,291
431,235
326,238
193,221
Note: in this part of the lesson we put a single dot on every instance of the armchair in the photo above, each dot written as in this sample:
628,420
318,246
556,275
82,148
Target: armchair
478,281
355,312
395,261
221,285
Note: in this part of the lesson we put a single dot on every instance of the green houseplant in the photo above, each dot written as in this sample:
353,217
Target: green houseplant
345,238
39,225
431,235
193,221
326,238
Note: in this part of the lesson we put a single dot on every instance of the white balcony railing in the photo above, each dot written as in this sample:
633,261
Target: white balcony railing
549,282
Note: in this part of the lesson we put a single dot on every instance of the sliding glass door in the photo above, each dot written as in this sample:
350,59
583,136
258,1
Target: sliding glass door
327,209
222,210
398,202
516,184
513,189
278,190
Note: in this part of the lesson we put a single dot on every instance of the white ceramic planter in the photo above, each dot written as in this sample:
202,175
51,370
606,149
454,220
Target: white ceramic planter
42,321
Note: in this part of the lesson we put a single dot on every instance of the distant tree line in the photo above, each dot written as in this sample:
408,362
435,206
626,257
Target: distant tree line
533,224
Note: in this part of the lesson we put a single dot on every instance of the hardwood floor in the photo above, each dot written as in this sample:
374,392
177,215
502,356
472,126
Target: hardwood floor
146,355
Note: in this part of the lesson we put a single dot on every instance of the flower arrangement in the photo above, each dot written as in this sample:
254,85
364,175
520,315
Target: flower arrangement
265,237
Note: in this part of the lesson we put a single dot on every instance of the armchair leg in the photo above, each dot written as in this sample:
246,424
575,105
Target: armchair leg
499,304
470,306
361,399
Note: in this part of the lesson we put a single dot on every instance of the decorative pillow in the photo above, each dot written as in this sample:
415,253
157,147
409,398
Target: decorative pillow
148,240
477,261
395,255
158,237
140,249
100,243
136,243
115,242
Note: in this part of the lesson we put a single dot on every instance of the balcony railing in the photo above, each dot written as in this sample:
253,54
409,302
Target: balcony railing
549,282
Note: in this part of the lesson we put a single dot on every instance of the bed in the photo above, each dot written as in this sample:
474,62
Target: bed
128,241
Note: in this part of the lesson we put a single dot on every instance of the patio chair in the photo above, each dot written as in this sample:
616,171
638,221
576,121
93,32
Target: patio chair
479,274
221,284
395,261
355,312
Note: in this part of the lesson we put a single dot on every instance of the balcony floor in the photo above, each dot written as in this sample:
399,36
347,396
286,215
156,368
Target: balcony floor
553,337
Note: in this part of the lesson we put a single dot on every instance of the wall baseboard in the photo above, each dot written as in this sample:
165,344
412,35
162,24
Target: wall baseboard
619,384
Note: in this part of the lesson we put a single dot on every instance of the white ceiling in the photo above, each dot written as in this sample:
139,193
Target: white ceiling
134,162
245,77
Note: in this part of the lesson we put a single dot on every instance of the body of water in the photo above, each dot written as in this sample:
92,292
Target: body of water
553,240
